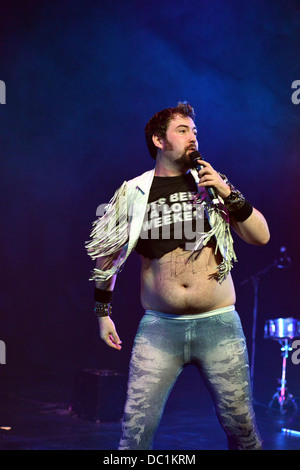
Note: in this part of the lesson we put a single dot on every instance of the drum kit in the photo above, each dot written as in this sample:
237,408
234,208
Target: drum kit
283,330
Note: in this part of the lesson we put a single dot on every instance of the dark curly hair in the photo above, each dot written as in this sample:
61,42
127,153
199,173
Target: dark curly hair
159,123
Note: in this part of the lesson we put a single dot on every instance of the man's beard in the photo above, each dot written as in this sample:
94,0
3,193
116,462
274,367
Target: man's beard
183,162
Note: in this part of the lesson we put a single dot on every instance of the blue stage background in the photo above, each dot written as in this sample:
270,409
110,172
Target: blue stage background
82,79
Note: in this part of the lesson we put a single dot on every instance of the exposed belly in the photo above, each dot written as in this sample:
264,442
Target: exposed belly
179,283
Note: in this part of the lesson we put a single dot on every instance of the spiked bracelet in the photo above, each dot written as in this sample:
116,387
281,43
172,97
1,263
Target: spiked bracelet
102,309
235,200
237,205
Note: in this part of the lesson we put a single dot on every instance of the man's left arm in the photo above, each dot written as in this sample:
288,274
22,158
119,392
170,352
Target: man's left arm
253,230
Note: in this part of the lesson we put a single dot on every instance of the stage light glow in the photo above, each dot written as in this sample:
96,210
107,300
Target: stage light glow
290,432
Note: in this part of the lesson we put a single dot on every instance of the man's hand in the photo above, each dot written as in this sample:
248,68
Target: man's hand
108,333
210,177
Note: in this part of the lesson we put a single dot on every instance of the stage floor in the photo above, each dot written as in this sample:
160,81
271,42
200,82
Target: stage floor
37,415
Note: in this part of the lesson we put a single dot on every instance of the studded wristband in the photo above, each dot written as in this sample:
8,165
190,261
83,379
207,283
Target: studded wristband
102,309
236,203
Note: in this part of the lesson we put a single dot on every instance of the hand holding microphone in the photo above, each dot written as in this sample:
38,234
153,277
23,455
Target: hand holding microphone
209,178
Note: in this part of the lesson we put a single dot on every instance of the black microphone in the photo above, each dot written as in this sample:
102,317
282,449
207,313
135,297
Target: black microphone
194,156
284,260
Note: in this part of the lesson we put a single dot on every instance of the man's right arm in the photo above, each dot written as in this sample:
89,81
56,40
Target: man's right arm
107,327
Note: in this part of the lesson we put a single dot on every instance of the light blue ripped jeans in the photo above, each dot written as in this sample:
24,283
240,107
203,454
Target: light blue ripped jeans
163,345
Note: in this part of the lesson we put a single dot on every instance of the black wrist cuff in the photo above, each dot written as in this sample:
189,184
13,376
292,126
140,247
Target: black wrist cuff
104,296
242,214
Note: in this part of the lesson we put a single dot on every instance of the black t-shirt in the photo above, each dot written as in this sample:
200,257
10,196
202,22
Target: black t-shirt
171,219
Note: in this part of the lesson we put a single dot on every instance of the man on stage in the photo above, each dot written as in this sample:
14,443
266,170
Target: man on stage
182,232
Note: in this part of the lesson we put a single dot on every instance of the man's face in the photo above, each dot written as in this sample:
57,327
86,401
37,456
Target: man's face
180,140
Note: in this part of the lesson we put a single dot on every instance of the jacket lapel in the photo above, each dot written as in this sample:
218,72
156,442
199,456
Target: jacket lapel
138,194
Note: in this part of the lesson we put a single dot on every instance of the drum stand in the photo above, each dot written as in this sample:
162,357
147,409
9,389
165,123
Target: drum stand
282,398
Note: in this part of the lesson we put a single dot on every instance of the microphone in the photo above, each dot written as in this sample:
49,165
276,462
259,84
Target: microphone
194,156
284,260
